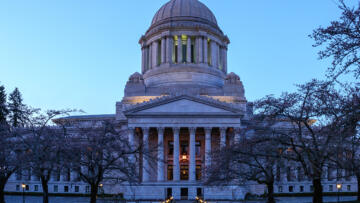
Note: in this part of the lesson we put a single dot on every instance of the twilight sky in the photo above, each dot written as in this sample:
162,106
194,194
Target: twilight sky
80,53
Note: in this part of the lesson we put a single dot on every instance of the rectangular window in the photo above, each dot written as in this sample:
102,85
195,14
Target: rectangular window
198,148
301,188
17,187
330,188
291,188
199,192
171,148
56,188
184,172
198,172
184,148
27,187
348,188
77,188
87,189
66,188
280,189
170,172
311,188
36,188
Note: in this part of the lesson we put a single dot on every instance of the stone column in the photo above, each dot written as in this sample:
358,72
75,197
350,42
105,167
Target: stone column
176,164
155,54
199,49
214,54
205,53
222,137
218,56
225,59
188,50
237,135
132,137
132,142
179,48
169,48
146,58
207,147
150,56
192,163
163,50
146,168
160,161
143,49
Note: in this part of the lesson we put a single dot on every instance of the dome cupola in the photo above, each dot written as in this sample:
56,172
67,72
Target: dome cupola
184,46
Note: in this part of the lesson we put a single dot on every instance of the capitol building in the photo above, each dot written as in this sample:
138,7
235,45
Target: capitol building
184,101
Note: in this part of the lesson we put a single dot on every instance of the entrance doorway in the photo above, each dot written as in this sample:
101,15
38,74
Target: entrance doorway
184,193
168,192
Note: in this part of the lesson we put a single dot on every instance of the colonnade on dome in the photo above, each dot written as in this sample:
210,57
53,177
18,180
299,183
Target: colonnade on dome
202,49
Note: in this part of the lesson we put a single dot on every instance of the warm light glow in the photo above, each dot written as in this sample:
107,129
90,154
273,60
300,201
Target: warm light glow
101,185
184,157
23,185
338,186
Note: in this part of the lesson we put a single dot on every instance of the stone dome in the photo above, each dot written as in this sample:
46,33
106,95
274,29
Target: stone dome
180,9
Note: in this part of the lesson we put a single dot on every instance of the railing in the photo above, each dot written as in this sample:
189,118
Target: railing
169,200
199,200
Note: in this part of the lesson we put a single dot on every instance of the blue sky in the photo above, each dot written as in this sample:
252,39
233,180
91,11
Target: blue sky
80,53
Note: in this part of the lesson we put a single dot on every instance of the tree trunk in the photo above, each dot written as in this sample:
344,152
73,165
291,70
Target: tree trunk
358,183
318,193
2,195
270,188
44,184
93,194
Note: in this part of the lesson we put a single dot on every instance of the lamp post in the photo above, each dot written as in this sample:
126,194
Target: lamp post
338,187
101,190
23,192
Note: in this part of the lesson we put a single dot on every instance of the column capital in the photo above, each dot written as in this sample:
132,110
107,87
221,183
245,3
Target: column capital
145,130
208,130
176,130
223,129
192,130
160,130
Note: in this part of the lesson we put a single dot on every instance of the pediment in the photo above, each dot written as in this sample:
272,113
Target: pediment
184,105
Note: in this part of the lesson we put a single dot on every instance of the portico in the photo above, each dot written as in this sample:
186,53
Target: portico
182,131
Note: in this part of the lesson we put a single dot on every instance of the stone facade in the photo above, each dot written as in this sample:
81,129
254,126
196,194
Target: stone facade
186,103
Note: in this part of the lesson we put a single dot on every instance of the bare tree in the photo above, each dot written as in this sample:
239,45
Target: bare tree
43,145
348,144
100,152
255,158
311,117
342,41
10,157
